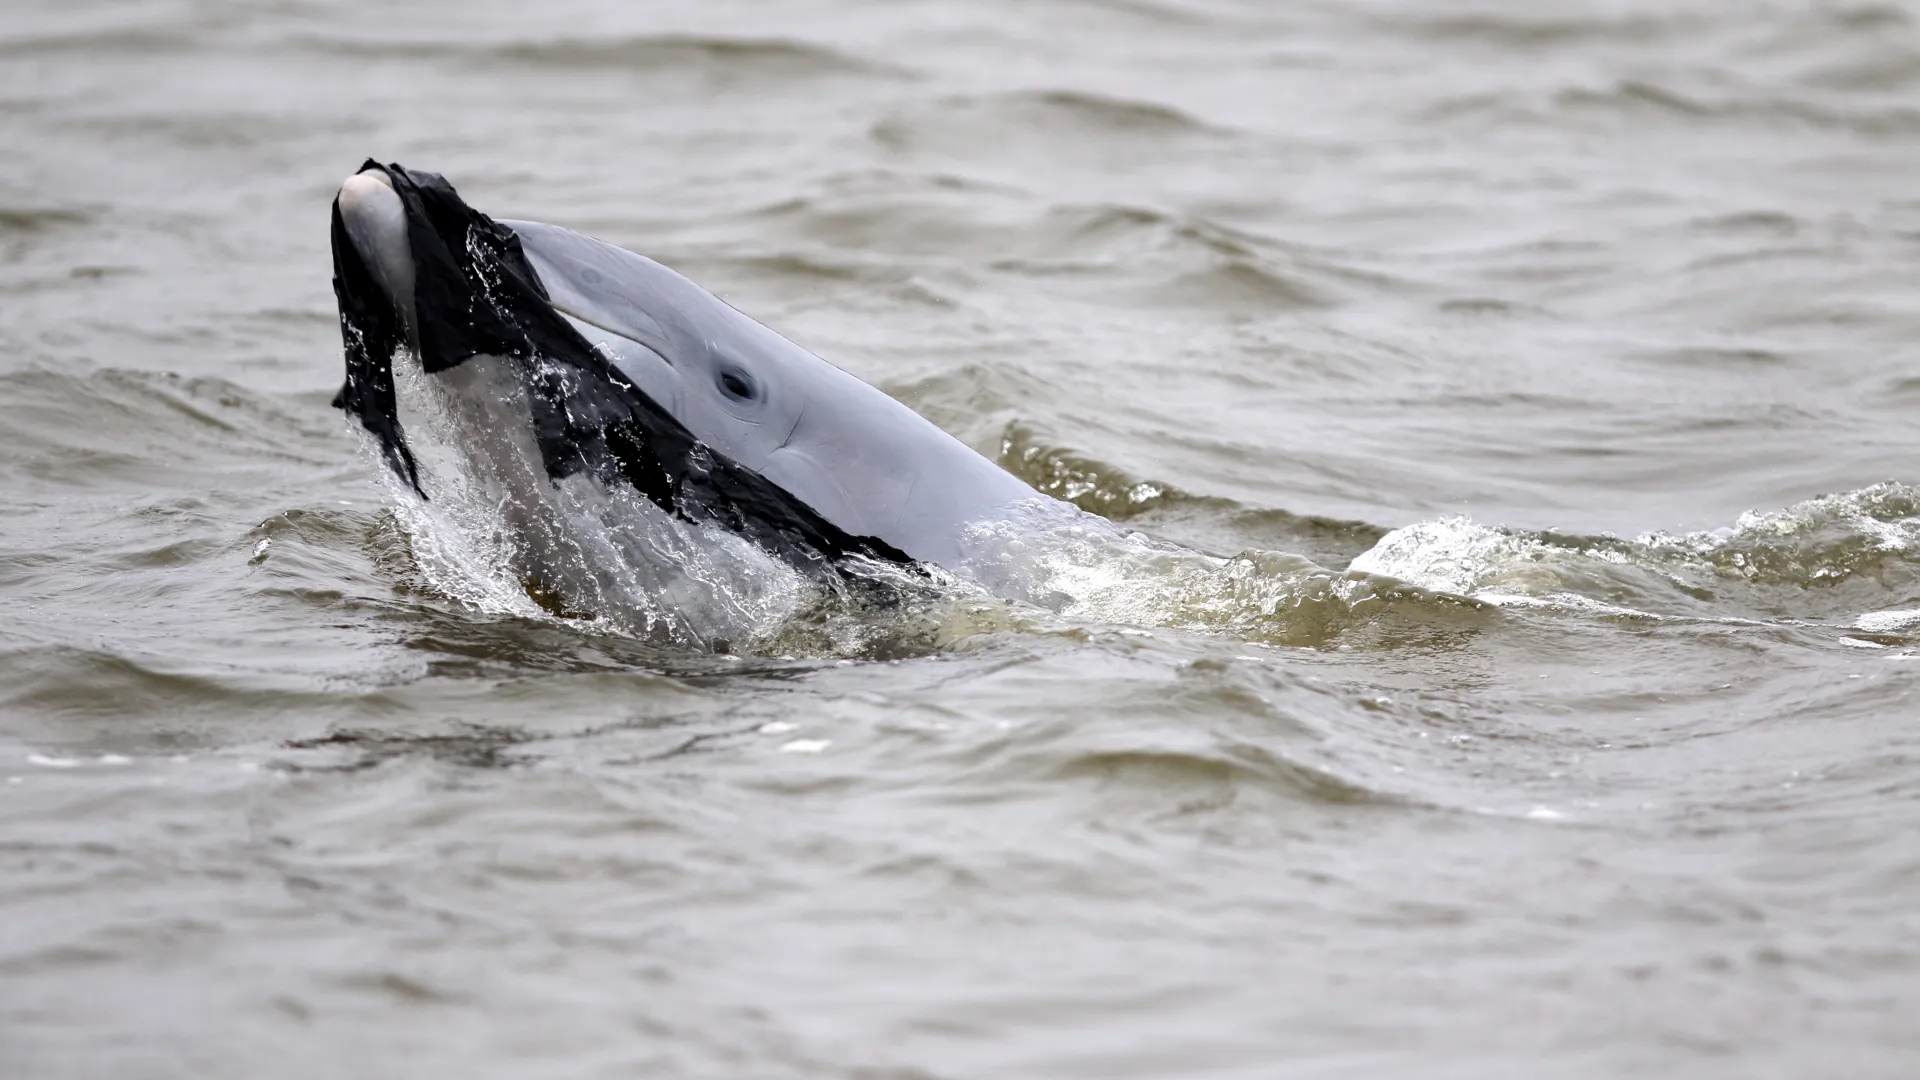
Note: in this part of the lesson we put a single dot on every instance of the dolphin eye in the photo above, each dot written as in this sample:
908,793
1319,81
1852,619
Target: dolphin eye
737,384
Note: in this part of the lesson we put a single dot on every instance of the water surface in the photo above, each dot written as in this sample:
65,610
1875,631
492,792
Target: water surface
1547,377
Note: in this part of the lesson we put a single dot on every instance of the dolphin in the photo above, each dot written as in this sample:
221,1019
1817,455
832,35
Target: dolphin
576,357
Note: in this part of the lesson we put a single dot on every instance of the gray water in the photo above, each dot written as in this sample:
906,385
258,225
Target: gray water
1546,375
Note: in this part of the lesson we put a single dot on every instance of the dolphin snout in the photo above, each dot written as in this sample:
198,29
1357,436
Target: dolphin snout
376,220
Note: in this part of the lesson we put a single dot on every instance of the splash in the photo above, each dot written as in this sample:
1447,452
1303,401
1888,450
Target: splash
497,536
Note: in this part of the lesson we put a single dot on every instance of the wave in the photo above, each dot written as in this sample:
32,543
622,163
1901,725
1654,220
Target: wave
1091,485
774,57
83,696
1095,120
32,220
896,231
1168,774
721,57
1179,259
1820,559
1545,29
1643,97
1635,100
111,426
127,40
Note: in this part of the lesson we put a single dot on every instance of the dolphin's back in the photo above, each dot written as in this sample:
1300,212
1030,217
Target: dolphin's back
856,456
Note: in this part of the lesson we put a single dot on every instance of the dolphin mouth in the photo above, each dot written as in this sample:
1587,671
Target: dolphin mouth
416,268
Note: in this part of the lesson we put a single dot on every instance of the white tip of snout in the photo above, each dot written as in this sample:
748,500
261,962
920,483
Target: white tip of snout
377,222
367,199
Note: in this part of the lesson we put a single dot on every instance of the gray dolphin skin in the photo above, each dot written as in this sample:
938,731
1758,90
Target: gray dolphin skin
637,374
856,456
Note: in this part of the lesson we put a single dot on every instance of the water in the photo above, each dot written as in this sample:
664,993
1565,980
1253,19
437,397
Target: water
1529,394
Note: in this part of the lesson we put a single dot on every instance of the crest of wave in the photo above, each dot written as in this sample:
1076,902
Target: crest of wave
1819,543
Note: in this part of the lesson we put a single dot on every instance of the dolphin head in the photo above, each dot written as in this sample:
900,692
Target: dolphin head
636,375
850,451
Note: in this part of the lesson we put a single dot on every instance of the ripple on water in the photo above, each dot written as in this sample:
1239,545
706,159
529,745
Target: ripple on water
723,60
1094,125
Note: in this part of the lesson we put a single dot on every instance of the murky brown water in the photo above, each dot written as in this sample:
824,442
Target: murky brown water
1597,323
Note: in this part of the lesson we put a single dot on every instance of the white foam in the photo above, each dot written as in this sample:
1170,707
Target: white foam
1883,622
1448,554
